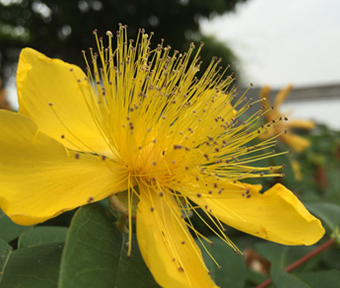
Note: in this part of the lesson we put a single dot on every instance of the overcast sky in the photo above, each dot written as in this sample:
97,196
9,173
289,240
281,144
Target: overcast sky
283,41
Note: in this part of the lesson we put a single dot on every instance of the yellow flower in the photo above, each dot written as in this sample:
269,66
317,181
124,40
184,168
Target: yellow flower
295,141
142,122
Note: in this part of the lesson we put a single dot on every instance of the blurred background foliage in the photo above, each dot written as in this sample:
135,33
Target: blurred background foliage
62,29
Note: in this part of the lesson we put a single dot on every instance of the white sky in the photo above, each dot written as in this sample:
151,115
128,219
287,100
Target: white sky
283,41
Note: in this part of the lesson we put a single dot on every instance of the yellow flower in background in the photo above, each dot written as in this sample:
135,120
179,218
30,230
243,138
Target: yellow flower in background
295,141
142,122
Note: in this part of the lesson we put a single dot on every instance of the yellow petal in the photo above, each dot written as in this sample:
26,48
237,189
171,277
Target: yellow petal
296,169
277,215
301,124
271,114
281,95
43,82
166,244
41,179
297,142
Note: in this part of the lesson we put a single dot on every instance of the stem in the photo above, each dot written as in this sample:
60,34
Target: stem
121,223
301,261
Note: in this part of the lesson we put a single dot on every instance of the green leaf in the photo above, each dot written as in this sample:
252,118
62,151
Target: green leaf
316,279
41,235
282,255
9,230
95,254
233,267
35,267
329,213
282,279
330,258
5,253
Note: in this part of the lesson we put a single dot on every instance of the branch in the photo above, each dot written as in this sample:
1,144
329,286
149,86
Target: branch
301,261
